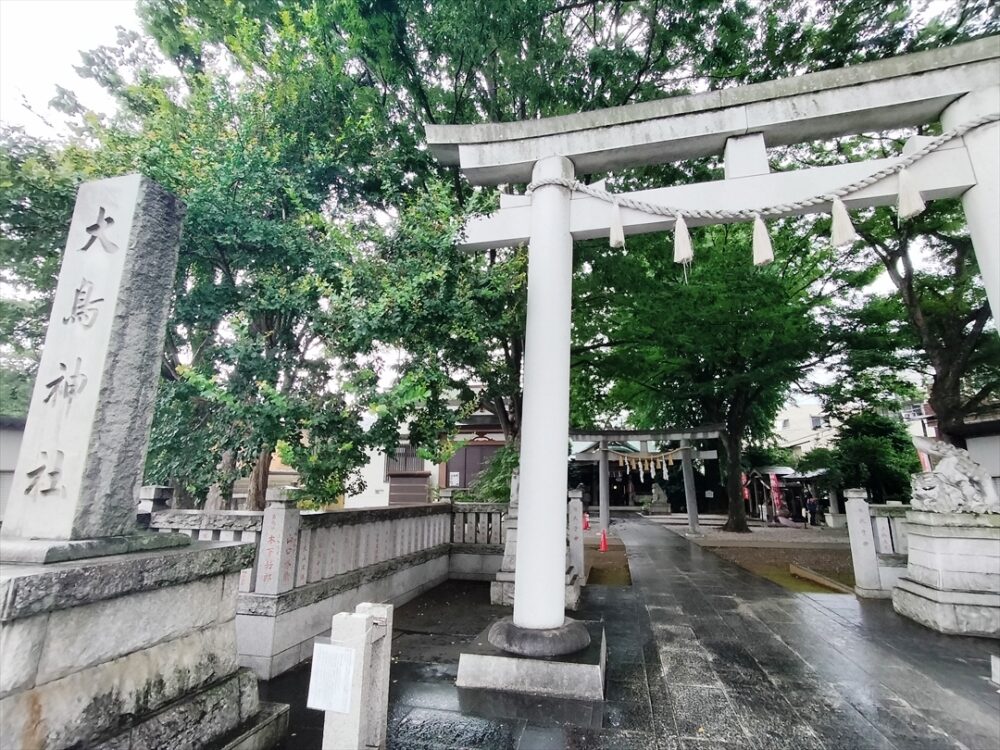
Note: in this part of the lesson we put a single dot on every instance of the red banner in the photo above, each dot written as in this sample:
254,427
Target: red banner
776,491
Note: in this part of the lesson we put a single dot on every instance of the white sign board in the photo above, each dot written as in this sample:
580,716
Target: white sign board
454,479
331,678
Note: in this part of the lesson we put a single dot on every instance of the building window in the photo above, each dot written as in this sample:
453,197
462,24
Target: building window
818,422
404,460
786,423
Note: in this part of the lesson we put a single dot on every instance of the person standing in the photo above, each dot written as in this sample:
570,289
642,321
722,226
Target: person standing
811,508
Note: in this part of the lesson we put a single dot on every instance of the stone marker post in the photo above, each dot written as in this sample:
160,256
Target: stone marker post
350,678
604,492
576,532
123,650
864,553
279,539
84,444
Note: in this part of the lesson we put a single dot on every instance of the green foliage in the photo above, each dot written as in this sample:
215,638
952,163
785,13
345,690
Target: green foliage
319,277
447,314
38,183
876,452
721,346
934,329
758,455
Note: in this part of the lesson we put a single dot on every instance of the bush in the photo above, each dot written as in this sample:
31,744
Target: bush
876,452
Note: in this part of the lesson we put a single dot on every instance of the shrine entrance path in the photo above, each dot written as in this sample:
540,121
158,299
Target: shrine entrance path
745,663
702,655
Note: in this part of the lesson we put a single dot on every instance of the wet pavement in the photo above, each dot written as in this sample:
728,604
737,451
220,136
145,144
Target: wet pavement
701,655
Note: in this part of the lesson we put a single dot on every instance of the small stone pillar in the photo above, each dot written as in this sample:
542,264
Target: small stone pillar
575,549
279,540
362,648
864,554
604,492
154,498
690,496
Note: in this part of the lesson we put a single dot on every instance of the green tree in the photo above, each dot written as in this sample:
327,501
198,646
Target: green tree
875,452
252,353
937,324
720,344
293,131
38,182
827,460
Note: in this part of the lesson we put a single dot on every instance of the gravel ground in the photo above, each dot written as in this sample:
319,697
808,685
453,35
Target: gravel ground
773,564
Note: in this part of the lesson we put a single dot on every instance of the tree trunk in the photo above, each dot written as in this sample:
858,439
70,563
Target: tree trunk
945,399
737,520
256,495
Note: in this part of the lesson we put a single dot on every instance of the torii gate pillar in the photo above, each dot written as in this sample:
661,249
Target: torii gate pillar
981,201
539,626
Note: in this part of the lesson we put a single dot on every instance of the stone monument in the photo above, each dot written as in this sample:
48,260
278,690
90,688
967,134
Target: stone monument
111,637
952,581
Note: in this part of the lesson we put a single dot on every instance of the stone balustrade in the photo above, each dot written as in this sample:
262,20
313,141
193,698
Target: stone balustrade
478,524
478,534
878,544
308,565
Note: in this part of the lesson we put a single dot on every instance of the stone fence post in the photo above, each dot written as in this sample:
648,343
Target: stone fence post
576,531
350,678
864,554
279,540
154,498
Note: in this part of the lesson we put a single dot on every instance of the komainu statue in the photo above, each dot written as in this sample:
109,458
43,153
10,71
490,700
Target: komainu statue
956,485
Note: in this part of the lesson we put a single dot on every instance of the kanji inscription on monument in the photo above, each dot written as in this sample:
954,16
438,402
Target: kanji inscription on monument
85,440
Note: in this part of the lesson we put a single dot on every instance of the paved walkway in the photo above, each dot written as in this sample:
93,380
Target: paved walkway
702,655
746,664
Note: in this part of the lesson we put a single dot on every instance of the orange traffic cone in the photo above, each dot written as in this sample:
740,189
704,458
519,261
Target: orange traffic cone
586,522
604,541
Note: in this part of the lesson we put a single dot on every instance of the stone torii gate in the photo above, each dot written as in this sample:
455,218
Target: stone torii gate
688,454
957,86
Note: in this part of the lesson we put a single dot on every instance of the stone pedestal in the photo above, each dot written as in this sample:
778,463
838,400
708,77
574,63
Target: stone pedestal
129,651
952,581
835,520
579,675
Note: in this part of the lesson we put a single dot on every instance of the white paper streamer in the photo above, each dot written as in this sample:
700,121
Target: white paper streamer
682,242
762,251
842,232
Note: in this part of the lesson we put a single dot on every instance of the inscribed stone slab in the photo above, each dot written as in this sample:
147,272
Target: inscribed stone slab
85,440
